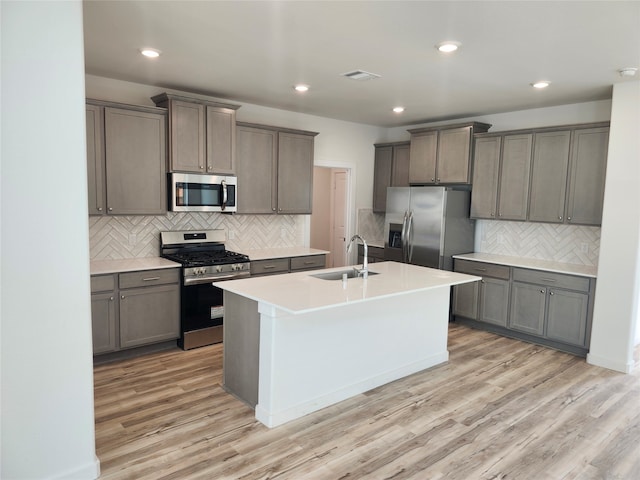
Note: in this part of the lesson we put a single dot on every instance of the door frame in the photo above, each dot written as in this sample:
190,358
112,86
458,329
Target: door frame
350,206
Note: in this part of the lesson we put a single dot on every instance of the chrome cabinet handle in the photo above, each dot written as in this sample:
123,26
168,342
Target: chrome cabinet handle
268,267
110,209
111,298
550,293
224,194
433,179
122,297
480,269
541,291
150,279
99,209
548,280
201,167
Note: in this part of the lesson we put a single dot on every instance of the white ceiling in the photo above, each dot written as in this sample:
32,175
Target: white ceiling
255,51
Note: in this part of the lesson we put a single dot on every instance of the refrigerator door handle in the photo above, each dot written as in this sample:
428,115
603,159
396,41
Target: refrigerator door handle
403,236
408,235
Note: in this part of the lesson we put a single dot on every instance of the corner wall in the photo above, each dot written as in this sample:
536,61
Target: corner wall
615,315
46,349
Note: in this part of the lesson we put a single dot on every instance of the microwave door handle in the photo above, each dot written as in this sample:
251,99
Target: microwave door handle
224,194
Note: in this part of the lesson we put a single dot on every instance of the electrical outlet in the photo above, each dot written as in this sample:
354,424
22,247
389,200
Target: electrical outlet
232,235
500,238
283,233
584,247
133,238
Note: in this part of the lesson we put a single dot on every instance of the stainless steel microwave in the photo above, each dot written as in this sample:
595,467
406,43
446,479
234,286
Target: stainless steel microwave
194,192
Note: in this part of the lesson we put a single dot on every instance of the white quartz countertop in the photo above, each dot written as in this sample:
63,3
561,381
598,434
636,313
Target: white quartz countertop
101,267
301,292
282,252
532,263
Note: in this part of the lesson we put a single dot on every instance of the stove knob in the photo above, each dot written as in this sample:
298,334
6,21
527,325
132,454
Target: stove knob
219,268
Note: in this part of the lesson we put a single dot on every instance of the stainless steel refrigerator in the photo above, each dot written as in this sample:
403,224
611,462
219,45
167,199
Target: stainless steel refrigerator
427,225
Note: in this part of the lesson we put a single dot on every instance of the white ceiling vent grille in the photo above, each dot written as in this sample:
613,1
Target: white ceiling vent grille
360,75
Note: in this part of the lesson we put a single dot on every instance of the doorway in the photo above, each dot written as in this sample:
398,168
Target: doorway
329,221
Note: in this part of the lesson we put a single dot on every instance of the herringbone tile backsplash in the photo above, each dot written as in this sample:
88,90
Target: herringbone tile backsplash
561,243
545,241
116,237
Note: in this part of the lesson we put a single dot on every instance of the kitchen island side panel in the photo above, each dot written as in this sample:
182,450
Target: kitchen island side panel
313,360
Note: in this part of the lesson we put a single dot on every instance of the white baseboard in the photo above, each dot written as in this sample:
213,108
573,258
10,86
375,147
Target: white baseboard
611,364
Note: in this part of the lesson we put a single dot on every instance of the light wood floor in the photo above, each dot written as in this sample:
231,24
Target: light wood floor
499,409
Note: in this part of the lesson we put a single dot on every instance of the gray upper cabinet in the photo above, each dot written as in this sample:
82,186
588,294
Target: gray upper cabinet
486,174
515,166
552,175
95,160
126,159
257,168
549,176
442,155
201,134
501,177
391,169
587,176
275,170
295,173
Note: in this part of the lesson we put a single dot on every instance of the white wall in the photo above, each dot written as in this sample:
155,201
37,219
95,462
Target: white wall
47,376
618,288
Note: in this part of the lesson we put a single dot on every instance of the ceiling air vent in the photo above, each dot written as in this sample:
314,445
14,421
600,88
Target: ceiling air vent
360,75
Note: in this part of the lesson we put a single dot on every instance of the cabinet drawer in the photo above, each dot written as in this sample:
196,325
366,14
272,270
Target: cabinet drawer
266,267
102,283
144,278
307,263
551,279
483,269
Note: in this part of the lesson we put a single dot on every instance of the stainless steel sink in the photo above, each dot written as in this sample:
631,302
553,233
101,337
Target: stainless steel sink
351,273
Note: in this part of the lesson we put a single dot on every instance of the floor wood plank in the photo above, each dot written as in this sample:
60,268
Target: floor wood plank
499,409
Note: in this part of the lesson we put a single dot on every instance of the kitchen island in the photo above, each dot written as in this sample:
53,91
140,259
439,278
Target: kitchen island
296,343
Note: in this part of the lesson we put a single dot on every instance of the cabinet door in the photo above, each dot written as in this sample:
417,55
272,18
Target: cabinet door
95,160
187,137
453,156
587,177
465,300
422,157
149,315
549,176
256,165
136,162
484,194
527,308
103,322
382,168
514,177
400,173
494,301
221,140
567,316
295,173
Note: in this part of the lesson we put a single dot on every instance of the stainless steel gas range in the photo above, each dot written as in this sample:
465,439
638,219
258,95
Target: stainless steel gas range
204,260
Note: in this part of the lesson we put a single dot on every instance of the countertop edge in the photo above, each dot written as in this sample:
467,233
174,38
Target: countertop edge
256,254
123,265
532,264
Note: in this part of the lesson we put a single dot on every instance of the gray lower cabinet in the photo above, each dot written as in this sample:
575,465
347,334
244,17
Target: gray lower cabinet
527,308
545,307
485,301
149,315
134,309
104,313
126,159
275,266
275,170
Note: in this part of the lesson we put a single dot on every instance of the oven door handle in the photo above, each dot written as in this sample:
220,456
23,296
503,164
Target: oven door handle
213,278
224,195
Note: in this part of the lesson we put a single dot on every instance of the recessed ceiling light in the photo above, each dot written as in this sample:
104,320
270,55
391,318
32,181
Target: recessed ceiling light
150,52
398,109
541,84
301,88
448,47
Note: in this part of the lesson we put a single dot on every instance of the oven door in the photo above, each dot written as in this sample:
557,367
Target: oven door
192,192
202,315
